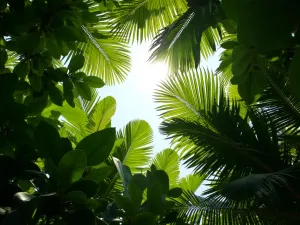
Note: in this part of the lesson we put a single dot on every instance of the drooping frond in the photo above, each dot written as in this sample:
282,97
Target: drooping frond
278,104
190,36
140,20
225,142
105,56
193,209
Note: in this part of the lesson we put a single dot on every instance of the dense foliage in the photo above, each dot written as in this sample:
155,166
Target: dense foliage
62,162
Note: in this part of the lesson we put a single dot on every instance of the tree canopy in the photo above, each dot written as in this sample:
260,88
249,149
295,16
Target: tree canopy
62,162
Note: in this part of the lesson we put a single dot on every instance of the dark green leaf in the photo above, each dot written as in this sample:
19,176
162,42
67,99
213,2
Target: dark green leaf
46,140
71,167
145,218
83,90
88,187
93,81
76,62
175,192
125,203
251,90
162,176
140,181
155,197
22,69
68,92
294,73
124,173
55,95
241,60
136,194
77,197
36,82
3,58
99,174
98,145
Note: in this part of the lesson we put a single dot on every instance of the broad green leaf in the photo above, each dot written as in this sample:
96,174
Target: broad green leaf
22,69
83,90
241,60
94,81
163,178
68,92
136,194
267,27
136,150
175,192
88,187
191,182
55,95
145,218
140,181
36,82
168,160
154,197
71,167
98,145
47,140
294,73
252,89
102,114
99,174
75,196
124,173
76,63
125,203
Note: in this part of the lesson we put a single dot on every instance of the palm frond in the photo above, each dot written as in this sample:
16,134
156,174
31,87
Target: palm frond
190,36
101,114
225,143
193,209
105,56
191,182
168,160
136,149
186,94
140,20
278,104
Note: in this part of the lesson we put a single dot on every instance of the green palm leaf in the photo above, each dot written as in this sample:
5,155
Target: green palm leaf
105,56
226,143
168,160
279,105
140,20
133,149
101,114
191,35
186,94
193,209
191,182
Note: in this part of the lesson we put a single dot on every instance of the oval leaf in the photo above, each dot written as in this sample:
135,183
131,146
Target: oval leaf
94,81
175,192
98,145
71,167
83,90
76,63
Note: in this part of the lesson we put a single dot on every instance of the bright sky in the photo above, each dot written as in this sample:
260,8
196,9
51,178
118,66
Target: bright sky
134,97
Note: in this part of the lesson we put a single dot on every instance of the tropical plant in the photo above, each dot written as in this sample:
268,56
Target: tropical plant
251,160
